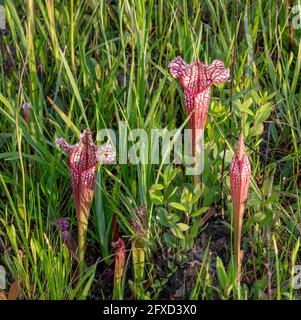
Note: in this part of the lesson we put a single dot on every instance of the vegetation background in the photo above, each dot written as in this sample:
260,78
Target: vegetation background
102,62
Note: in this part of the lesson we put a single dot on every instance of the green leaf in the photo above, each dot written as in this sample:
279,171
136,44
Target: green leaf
177,206
268,218
256,130
170,240
170,191
74,87
263,113
183,226
89,276
169,174
166,219
156,197
177,233
196,194
273,198
194,229
245,107
65,118
258,216
199,211
157,186
101,215
221,273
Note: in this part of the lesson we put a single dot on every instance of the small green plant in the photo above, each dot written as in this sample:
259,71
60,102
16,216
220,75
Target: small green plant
180,220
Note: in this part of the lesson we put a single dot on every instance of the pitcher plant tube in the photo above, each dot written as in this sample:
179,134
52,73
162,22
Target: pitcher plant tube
240,171
83,159
197,79
26,108
120,258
